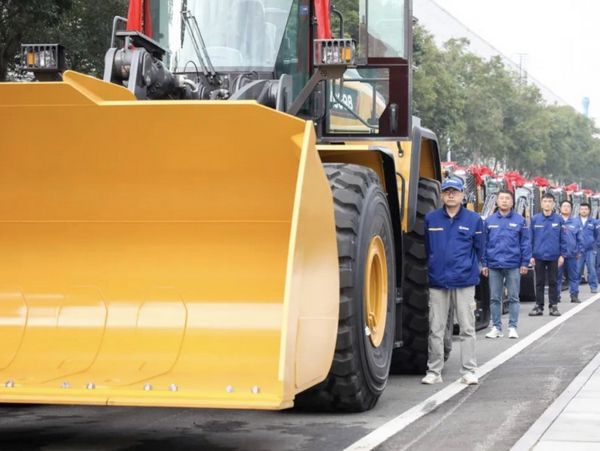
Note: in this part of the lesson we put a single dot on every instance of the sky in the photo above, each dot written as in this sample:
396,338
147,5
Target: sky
559,41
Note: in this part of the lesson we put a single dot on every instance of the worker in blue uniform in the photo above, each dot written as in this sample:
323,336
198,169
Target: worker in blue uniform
589,234
506,258
573,251
454,242
547,250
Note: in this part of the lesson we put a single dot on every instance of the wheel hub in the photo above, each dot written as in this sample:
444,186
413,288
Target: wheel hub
376,291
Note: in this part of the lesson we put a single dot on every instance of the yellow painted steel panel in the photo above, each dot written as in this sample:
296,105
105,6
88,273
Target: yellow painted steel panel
176,245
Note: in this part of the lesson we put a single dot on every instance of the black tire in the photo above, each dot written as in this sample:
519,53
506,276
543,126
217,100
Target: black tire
527,293
483,313
360,370
411,358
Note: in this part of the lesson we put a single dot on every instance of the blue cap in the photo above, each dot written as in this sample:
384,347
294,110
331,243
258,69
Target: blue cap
452,182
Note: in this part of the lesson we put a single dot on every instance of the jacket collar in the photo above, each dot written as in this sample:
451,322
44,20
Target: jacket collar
509,215
456,216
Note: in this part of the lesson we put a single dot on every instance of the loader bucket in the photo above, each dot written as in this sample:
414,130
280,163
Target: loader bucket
160,253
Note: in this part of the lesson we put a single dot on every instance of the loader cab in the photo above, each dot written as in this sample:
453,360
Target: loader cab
250,40
595,204
527,200
492,186
559,196
577,198
372,100
469,181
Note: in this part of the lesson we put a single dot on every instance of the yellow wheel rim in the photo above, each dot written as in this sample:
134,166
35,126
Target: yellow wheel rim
376,291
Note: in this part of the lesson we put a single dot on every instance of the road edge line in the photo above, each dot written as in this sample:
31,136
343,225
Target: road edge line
543,423
395,425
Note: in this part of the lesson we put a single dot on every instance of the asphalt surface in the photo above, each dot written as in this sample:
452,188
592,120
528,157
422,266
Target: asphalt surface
491,416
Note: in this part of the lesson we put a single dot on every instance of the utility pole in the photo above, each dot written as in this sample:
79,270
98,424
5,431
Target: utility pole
522,66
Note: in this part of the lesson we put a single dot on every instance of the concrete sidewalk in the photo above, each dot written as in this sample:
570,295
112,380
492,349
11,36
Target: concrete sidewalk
572,422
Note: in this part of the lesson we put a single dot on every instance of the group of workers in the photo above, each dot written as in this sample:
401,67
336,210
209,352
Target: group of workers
460,246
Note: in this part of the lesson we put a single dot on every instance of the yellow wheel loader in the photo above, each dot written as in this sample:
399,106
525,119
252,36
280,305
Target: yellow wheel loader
226,220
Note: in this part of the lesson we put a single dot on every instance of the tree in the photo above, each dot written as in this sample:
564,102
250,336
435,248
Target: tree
438,98
86,31
485,114
349,10
22,20
82,26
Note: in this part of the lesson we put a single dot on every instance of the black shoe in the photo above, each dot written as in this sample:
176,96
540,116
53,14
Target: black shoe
575,299
554,311
536,311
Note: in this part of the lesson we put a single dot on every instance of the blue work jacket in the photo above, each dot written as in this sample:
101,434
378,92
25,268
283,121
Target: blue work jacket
547,237
454,247
589,233
508,244
573,237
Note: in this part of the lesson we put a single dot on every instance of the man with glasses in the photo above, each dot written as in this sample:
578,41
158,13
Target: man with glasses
454,242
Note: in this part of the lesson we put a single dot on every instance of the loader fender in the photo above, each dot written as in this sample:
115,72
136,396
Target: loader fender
161,253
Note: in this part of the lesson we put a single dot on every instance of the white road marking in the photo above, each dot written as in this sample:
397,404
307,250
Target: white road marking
437,423
392,427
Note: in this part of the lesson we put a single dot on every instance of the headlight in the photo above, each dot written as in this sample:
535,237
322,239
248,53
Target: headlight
328,52
42,57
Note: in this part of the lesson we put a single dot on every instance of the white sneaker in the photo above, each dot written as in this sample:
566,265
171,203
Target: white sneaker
469,379
512,333
431,379
495,333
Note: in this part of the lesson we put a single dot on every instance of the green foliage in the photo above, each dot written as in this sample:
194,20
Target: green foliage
480,111
485,114
86,31
349,9
82,26
21,20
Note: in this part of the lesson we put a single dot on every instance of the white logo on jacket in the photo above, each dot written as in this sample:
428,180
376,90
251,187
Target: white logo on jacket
462,228
512,224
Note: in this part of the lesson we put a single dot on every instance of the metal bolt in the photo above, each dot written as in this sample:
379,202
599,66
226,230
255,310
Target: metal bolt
173,387
367,331
10,384
148,387
66,385
255,389
229,389
90,386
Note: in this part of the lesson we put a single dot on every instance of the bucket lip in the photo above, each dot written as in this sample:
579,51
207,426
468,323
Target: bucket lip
144,398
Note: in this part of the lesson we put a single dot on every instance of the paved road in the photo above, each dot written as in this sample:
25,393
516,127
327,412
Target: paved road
491,416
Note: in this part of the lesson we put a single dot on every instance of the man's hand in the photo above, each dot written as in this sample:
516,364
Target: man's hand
578,256
532,262
485,272
561,260
523,270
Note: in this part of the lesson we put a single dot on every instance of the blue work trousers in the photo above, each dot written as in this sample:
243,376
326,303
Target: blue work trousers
572,265
589,259
597,262
498,279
